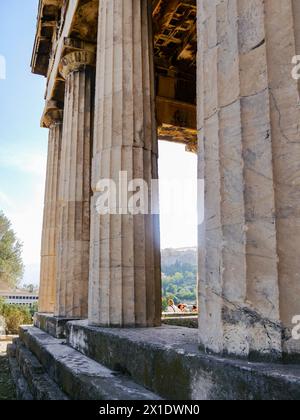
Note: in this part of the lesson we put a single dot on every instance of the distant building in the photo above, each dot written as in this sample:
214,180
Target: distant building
19,297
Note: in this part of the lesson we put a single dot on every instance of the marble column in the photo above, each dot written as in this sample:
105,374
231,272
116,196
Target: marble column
222,246
47,294
248,121
264,334
125,275
283,43
75,186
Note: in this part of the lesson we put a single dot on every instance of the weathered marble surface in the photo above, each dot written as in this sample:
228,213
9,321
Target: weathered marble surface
249,154
249,145
52,119
125,278
74,187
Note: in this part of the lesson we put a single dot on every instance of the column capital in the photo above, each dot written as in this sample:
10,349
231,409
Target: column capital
75,61
53,114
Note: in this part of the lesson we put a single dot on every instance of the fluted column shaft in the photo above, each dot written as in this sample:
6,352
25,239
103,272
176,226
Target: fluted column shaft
47,291
125,278
283,43
248,123
74,190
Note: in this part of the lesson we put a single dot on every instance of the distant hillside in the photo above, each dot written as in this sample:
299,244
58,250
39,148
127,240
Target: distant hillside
171,256
179,275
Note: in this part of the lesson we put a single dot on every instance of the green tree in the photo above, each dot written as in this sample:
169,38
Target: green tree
11,264
179,280
2,303
31,288
164,304
34,309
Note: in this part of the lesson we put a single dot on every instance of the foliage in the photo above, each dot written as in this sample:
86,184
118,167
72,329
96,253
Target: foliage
33,309
15,316
31,288
178,267
2,302
164,304
11,265
179,282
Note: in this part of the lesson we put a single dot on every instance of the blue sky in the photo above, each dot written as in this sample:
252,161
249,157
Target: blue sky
23,145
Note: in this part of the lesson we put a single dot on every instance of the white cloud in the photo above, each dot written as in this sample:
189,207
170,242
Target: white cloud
5,201
28,162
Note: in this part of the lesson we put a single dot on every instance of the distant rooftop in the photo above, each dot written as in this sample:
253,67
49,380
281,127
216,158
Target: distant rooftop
16,292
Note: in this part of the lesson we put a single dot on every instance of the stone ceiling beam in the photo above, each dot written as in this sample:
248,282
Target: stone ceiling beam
64,26
48,13
175,37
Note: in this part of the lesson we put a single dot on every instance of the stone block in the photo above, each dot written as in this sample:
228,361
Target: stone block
79,377
167,361
55,326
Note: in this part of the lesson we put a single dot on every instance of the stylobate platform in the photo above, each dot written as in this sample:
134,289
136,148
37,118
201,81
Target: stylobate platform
149,363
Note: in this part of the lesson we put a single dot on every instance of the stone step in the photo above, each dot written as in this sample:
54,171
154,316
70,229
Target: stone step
32,382
80,377
22,388
168,361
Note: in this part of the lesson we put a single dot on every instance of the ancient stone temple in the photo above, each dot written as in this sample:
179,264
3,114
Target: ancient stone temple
216,75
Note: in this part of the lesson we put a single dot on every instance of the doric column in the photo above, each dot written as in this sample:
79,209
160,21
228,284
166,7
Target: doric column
262,323
74,190
125,278
283,43
248,48
248,121
222,268
53,120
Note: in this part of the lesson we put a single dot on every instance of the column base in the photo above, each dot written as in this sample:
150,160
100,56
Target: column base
52,325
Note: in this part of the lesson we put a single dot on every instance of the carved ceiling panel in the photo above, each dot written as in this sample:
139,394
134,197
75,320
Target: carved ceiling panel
175,35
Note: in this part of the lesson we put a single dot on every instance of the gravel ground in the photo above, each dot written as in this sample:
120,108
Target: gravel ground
7,391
